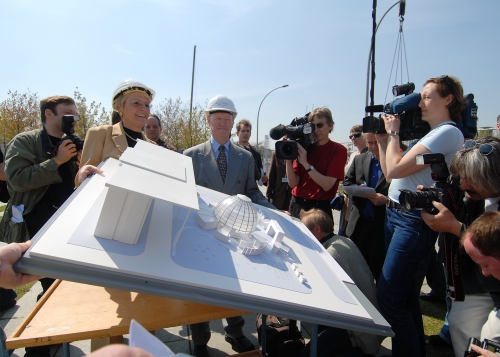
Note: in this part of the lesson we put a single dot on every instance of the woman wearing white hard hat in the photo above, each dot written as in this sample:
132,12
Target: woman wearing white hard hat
132,101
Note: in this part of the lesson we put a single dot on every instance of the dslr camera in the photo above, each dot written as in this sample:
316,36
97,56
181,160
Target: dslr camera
442,190
412,125
299,131
68,128
488,345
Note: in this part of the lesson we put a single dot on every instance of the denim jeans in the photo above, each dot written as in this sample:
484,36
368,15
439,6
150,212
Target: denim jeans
408,241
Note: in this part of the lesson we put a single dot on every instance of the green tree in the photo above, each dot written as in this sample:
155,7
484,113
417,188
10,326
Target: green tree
179,127
91,115
19,112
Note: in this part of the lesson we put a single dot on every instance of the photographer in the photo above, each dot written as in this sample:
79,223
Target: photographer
475,297
314,176
408,239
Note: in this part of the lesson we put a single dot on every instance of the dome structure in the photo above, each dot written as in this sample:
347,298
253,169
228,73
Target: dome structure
237,217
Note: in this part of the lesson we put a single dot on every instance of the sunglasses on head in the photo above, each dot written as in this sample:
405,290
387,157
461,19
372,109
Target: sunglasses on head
355,135
484,149
448,81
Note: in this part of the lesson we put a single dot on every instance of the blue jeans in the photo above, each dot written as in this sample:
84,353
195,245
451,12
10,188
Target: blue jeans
408,241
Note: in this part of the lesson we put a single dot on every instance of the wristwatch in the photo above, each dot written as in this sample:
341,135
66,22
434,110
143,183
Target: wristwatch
392,132
310,168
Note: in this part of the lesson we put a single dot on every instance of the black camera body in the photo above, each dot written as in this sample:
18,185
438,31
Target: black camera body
488,345
69,129
299,131
412,126
441,191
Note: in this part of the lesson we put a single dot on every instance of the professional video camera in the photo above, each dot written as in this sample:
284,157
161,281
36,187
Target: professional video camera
299,131
441,191
68,128
488,345
412,125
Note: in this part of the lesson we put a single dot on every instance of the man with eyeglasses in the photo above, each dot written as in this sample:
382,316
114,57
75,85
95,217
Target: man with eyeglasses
315,175
223,166
476,298
366,217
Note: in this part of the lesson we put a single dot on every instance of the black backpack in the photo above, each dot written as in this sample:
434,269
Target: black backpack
283,338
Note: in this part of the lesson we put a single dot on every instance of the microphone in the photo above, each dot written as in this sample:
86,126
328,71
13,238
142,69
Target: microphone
277,132
374,108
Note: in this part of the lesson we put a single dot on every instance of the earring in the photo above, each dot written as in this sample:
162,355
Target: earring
121,114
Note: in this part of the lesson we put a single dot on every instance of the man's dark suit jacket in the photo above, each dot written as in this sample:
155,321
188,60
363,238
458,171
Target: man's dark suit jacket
358,174
240,172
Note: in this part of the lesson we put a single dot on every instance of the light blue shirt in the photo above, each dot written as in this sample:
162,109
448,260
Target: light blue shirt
445,139
215,148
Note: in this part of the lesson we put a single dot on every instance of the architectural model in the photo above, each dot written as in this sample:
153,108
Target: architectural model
143,225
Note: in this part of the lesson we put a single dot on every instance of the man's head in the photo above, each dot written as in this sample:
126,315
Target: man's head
479,168
482,243
357,137
244,131
52,110
220,113
317,221
54,103
153,127
372,144
323,120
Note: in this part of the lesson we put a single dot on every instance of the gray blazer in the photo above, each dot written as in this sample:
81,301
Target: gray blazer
240,172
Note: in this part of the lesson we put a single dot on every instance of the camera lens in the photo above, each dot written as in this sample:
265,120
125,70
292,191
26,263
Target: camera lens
403,89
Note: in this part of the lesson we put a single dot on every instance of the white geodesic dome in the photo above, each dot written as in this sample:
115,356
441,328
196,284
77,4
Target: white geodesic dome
237,216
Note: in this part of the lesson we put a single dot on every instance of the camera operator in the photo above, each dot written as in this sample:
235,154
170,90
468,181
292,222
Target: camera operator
40,172
314,176
478,166
408,239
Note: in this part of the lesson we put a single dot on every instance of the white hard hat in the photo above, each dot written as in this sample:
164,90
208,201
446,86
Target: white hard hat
131,85
221,103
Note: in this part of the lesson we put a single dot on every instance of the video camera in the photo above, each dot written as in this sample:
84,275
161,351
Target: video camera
299,131
69,129
441,191
412,126
488,345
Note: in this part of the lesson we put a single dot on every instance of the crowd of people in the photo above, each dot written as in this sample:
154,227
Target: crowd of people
381,243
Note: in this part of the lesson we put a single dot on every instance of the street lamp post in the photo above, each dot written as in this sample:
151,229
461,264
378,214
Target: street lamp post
258,113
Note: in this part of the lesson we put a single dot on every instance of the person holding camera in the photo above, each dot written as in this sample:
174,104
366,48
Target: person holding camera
475,298
132,101
40,169
314,176
408,239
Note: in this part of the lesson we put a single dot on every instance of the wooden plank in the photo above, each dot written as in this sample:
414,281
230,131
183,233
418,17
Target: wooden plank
75,312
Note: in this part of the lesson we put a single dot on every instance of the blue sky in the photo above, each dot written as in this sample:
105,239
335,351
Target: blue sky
245,48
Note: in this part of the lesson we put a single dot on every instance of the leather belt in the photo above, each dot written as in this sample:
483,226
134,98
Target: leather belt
391,204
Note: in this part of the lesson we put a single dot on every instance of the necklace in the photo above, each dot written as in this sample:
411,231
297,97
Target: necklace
128,136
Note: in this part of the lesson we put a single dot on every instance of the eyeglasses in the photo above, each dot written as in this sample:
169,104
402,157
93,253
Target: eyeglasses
369,143
484,149
355,135
319,125
448,81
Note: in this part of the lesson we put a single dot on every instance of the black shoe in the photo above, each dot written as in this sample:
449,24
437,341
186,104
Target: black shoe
240,344
200,351
8,305
431,297
436,340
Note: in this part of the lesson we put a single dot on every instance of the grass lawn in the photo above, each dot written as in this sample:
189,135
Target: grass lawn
433,315
2,208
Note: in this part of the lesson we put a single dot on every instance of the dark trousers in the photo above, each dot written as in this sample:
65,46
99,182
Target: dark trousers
201,334
369,237
334,342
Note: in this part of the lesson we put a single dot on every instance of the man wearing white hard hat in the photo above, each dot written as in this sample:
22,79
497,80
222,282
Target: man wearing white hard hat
223,166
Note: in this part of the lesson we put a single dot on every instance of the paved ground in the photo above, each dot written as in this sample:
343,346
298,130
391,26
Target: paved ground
177,338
